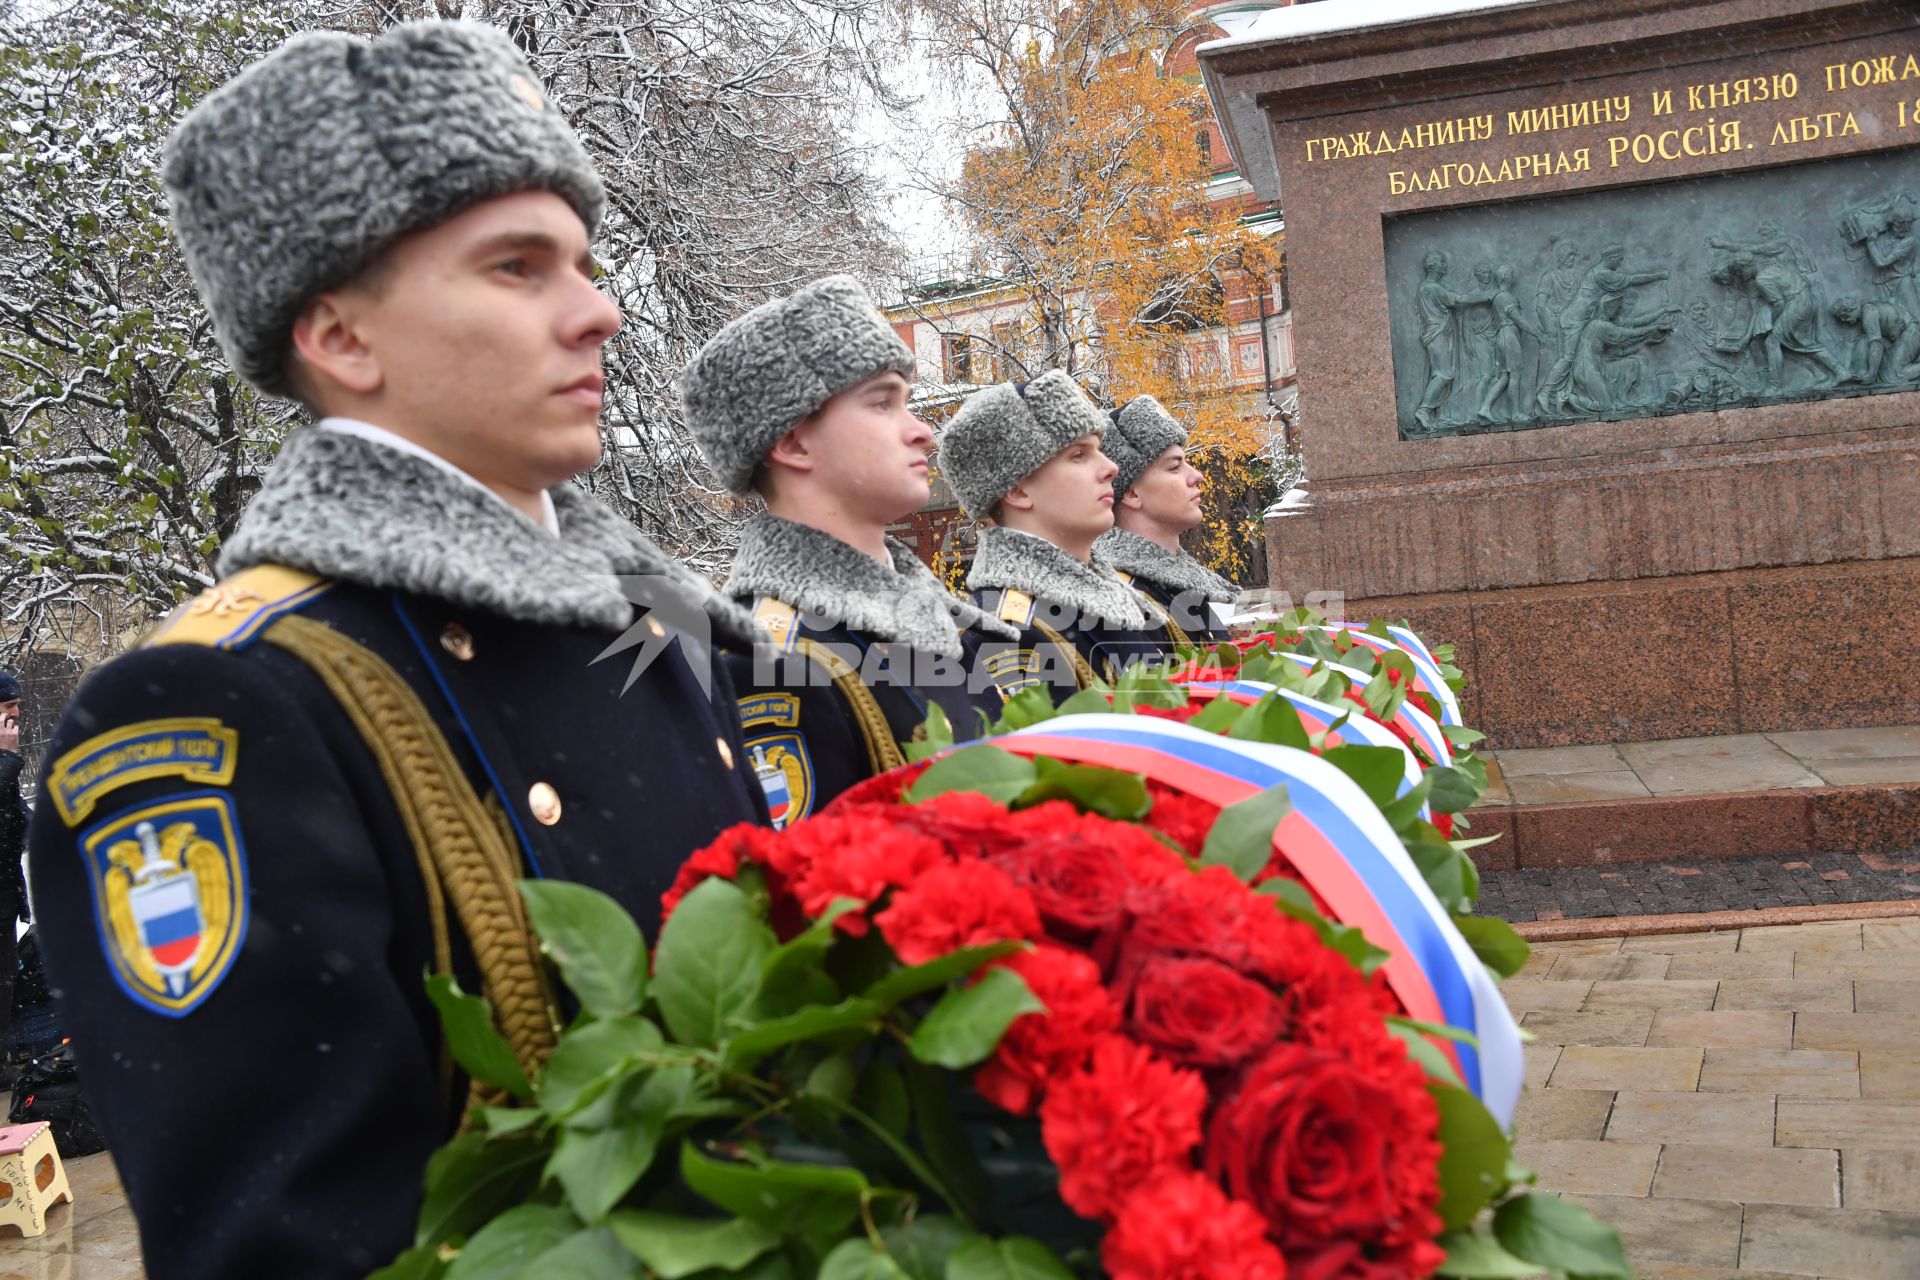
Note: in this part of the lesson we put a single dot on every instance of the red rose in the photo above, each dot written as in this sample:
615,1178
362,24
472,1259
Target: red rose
1213,914
967,823
955,905
1077,879
880,789
1183,1227
1126,1119
1040,1047
1310,1141
1202,1014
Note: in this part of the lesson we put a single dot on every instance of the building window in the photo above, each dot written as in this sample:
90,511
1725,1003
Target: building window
957,350
1204,140
1006,352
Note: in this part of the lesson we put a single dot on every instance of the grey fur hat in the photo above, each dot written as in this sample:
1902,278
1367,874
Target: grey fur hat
1142,430
1004,433
764,372
296,174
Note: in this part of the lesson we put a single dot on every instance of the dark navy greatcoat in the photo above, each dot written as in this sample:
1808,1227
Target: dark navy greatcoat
802,739
1190,610
1109,651
273,1115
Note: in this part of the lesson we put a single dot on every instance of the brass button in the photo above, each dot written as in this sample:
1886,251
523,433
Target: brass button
653,625
458,641
544,801
726,752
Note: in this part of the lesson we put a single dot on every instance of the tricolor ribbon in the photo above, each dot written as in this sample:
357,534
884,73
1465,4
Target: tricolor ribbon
1320,717
1345,851
1416,722
1426,668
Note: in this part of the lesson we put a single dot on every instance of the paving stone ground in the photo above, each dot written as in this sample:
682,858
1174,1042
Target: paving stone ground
1708,884
1741,1105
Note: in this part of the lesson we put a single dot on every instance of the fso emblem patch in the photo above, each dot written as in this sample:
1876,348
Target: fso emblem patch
785,770
170,897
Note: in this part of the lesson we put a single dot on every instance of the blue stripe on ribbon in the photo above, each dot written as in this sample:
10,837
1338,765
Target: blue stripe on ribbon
1416,925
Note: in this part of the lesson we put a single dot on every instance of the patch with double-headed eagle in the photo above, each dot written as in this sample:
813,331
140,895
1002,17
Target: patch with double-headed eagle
170,897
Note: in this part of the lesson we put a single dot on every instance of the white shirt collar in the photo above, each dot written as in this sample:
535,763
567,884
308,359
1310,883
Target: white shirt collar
549,519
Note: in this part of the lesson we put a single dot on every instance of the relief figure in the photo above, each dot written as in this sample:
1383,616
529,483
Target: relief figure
1439,335
1887,351
1506,344
1606,279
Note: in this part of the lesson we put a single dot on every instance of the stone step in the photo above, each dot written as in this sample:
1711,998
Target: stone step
1735,795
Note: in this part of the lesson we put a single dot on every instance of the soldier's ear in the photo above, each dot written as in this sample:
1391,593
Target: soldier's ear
332,351
796,450
1017,499
1132,500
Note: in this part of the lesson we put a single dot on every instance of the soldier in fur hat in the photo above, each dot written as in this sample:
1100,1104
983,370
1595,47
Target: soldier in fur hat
804,401
1027,459
1156,499
321,779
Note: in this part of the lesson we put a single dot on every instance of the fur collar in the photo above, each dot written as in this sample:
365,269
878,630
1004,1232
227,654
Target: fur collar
1010,558
353,510
1175,570
817,573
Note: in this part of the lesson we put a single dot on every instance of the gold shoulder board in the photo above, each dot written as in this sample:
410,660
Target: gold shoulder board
233,612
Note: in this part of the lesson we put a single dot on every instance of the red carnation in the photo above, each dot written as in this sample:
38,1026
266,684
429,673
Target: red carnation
1310,1141
1202,1014
744,842
967,823
1120,1122
1183,1227
955,905
1180,714
857,854
1040,1047
1181,816
1213,914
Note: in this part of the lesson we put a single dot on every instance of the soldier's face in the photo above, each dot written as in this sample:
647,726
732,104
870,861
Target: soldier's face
1071,493
1168,492
487,330
867,451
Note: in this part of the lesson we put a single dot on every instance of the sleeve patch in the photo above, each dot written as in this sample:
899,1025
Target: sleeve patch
192,749
170,898
785,770
1012,670
779,710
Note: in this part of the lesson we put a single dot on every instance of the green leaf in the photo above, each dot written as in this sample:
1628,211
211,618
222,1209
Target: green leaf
1272,719
595,942
1087,701
1494,941
948,1147
1561,1236
590,1059
596,1167
795,971
588,1255
1015,1258
1460,737
1091,788
966,1025
1480,1257
1452,790
1026,708
882,1094
502,1249
922,1246
1443,1030
1473,1161
471,1179
707,971
500,1121
935,736
998,775
673,1246
904,984
1219,715
1404,810
1241,839
857,1259
480,1050
749,1046
1447,871
1379,771
1429,1055
1143,686
420,1263
818,1200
